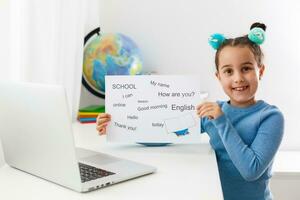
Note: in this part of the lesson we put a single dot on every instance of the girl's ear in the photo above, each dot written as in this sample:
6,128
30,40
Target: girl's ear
217,74
261,71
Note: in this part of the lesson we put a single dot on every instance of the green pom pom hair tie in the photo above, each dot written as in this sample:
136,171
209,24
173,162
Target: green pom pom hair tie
215,40
257,35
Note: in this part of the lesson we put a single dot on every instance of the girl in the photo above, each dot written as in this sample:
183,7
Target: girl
244,132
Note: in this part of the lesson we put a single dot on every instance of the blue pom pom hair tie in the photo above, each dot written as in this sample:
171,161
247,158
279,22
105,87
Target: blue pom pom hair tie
257,35
216,40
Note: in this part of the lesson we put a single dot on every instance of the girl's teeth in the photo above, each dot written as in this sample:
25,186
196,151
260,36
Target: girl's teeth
240,88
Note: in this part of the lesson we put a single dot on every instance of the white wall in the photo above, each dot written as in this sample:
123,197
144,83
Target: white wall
4,38
4,49
172,35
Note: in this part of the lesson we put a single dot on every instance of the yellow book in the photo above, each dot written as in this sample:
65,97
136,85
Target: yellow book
88,113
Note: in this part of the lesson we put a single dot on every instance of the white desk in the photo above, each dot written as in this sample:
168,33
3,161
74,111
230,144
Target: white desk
183,172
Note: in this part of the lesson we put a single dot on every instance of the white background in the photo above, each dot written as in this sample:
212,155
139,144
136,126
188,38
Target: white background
172,35
4,47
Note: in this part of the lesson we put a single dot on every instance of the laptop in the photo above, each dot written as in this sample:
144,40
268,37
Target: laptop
37,138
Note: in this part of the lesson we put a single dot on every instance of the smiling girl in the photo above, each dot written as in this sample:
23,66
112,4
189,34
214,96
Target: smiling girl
244,132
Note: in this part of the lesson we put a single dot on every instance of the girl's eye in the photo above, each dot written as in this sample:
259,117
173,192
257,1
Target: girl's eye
246,69
228,71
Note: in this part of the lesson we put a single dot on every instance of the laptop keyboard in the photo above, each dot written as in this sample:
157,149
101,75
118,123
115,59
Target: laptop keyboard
88,173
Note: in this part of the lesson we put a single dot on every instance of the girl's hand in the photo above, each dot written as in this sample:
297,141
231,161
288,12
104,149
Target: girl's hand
209,109
102,120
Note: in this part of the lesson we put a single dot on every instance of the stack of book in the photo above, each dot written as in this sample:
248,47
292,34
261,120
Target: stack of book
89,114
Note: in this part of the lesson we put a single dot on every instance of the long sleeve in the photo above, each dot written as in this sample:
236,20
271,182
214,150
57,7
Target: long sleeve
252,160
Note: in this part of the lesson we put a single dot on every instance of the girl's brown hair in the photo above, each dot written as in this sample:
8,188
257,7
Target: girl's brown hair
243,41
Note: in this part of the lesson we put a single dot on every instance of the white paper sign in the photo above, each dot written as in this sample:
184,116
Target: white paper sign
153,108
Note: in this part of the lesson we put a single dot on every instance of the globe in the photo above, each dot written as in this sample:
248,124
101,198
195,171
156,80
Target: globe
109,54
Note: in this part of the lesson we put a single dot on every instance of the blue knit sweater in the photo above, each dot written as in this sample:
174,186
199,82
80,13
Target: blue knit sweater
245,141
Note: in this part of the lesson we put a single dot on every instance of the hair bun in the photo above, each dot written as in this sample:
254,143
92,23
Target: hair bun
216,40
258,25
